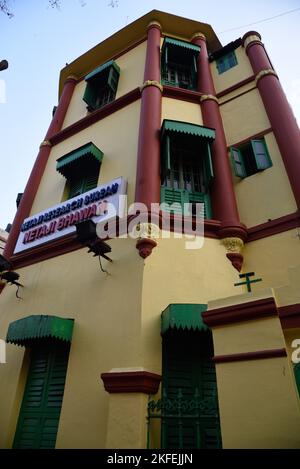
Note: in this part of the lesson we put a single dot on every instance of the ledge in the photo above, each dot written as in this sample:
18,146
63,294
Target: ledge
260,354
272,227
131,381
289,316
96,116
240,312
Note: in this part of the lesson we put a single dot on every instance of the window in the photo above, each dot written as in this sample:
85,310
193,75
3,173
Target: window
101,85
48,340
250,158
179,63
226,62
40,411
186,167
81,169
188,380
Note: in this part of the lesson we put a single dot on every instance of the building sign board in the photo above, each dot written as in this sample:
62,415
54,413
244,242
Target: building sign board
100,205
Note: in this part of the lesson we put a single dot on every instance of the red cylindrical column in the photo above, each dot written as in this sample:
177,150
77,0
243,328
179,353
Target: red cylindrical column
148,158
223,196
283,122
39,167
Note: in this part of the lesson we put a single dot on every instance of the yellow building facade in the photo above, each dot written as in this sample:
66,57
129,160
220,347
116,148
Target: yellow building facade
158,348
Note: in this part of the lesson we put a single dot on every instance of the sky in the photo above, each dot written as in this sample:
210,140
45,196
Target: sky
38,41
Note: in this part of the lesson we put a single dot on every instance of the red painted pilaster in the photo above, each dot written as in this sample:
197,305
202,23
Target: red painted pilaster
148,159
283,122
39,167
147,189
222,192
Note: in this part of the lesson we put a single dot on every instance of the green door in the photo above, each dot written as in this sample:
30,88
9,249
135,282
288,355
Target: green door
188,371
40,410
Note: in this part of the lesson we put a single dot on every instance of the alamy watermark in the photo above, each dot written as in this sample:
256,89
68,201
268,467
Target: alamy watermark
296,353
161,221
2,351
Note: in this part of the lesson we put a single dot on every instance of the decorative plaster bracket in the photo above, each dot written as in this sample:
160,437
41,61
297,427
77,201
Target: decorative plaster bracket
234,247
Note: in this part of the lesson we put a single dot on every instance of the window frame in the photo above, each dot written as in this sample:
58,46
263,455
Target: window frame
224,64
238,159
104,79
191,64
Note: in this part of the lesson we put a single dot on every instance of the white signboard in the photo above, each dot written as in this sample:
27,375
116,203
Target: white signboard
100,205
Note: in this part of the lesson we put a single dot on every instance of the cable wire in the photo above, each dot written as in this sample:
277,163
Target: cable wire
260,21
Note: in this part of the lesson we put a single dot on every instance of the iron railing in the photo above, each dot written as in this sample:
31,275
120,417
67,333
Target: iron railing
179,410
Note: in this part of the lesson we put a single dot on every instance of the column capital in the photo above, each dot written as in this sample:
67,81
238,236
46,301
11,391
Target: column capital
198,36
207,97
154,24
71,78
263,73
249,37
46,143
151,83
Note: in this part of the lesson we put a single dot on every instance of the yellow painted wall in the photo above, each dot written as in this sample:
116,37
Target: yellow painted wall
173,274
258,196
270,258
244,117
258,404
177,110
116,136
257,398
131,65
106,309
266,195
235,74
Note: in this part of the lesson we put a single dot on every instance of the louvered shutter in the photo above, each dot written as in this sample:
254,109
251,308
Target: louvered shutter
208,166
238,163
166,158
75,187
39,415
90,180
90,95
113,79
261,154
174,200
187,365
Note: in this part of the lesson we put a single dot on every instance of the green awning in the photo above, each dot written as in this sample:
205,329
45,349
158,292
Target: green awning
110,63
186,45
39,327
67,161
170,126
183,316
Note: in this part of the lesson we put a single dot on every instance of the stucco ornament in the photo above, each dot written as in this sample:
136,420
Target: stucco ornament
234,247
145,232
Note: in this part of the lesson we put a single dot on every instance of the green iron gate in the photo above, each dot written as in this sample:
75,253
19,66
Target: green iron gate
188,408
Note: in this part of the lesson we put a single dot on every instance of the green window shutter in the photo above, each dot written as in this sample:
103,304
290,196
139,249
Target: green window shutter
208,166
297,376
90,95
178,197
261,154
75,187
238,163
113,79
204,199
40,410
166,157
104,78
189,372
90,181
